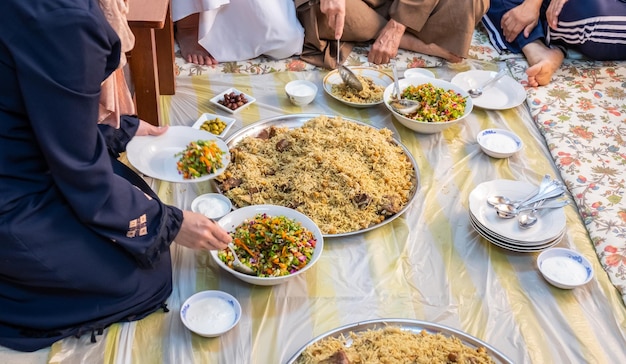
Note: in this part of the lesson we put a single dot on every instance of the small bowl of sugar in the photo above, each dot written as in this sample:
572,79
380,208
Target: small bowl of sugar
301,92
564,268
212,205
210,313
499,143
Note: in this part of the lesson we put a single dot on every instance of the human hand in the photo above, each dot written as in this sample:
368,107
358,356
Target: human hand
553,11
201,233
387,44
335,11
524,17
146,128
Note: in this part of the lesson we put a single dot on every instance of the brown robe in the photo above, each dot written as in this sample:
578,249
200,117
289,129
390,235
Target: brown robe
447,23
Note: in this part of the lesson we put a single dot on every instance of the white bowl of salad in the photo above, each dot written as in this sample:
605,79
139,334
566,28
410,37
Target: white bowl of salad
442,104
277,242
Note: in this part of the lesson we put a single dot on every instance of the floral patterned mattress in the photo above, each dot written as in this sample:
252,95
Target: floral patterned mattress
581,114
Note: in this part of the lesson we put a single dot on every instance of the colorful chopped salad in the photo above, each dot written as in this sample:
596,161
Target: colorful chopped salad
200,158
272,246
437,103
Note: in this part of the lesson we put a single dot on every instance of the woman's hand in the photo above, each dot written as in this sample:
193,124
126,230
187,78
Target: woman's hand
201,233
335,11
524,17
387,44
553,12
146,128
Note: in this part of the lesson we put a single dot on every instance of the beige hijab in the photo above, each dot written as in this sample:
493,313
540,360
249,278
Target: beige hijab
115,97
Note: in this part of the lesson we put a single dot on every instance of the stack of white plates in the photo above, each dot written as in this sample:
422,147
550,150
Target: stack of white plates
506,233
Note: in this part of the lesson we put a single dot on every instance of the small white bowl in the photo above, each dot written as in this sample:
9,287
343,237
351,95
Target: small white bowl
301,92
418,72
564,268
208,116
210,313
215,100
499,143
212,205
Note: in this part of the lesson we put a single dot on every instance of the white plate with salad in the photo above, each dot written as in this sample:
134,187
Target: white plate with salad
159,156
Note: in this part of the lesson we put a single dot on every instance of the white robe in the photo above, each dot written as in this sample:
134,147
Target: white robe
237,30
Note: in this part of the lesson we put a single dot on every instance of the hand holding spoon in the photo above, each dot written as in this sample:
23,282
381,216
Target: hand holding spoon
238,265
348,77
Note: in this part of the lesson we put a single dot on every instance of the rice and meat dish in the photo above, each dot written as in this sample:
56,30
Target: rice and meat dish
370,94
393,345
343,175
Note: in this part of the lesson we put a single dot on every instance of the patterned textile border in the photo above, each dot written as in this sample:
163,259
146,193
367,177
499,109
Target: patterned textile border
481,49
582,116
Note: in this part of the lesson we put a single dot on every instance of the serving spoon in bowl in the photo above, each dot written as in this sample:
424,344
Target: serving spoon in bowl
402,106
238,265
348,77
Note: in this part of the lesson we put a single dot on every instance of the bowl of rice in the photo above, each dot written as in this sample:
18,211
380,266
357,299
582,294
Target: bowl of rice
277,242
442,104
373,81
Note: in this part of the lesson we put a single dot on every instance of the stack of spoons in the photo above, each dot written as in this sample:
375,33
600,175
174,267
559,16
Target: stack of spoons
517,215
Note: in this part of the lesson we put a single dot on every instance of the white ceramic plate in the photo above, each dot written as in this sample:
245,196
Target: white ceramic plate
379,78
208,116
506,93
155,156
547,228
220,96
513,242
518,248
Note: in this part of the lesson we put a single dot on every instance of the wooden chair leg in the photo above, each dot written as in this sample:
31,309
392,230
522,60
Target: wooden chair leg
164,39
144,73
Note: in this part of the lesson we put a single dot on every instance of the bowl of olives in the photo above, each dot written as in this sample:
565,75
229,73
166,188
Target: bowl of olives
232,100
214,124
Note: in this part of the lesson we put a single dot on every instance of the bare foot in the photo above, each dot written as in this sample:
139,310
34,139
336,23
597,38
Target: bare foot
544,62
187,37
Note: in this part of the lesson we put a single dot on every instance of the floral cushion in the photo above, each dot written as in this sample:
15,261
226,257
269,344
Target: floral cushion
481,49
582,116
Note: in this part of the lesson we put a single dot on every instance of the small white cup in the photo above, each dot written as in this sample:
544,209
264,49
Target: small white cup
301,92
418,72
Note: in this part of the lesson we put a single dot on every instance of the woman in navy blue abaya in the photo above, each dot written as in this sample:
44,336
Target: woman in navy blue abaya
84,242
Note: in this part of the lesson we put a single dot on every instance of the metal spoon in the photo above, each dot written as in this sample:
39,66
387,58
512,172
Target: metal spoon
506,212
348,77
528,218
495,200
238,265
552,190
402,106
478,91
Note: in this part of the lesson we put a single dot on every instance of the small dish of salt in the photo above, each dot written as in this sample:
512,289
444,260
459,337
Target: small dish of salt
212,205
499,143
564,268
